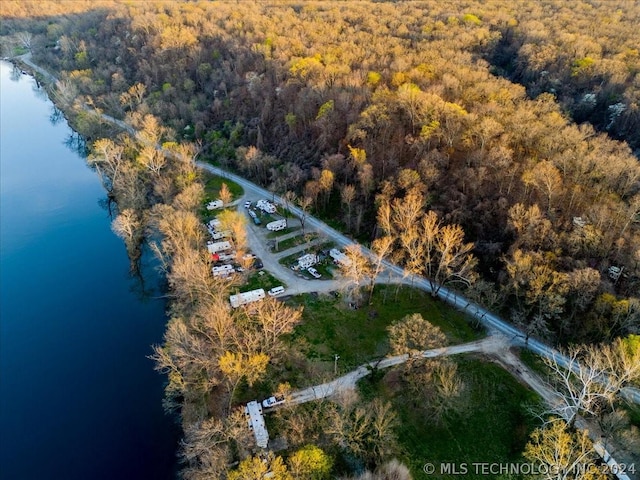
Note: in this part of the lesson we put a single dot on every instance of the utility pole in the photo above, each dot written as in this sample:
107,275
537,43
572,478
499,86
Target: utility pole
335,364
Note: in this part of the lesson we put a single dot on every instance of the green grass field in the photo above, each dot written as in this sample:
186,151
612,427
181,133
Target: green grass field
295,241
280,233
331,327
259,279
213,183
492,426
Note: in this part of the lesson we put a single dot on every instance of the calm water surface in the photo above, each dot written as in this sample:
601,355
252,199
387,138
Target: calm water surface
78,397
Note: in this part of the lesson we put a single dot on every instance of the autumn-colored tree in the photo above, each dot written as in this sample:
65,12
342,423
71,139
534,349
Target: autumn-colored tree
413,335
557,448
256,468
225,194
237,367
310,463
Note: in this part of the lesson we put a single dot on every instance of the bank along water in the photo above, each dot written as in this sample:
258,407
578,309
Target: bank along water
79,398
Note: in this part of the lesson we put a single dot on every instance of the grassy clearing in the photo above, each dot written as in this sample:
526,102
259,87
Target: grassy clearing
260,279
280,233
213,183
492,425
295,241
330,327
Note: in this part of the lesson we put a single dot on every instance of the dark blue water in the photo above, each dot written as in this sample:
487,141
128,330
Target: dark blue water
78,397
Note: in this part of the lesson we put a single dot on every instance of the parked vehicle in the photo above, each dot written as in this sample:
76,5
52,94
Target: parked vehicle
313,272
247,204
266,206
246,298
277,225
307,260
215,204
273,401
222,270
275,291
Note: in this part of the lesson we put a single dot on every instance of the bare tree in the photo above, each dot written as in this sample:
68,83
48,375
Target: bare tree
382,249
347,195
592,376
356,270
424,245
304,203
275,319
106,156
127,225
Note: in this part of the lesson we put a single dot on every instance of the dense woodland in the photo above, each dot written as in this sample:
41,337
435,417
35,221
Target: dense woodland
512,123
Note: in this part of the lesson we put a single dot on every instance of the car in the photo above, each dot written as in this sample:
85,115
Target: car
257,263
275,291
273,401
313,272
247,204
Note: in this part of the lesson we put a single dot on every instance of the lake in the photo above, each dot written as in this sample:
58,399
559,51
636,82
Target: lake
79,398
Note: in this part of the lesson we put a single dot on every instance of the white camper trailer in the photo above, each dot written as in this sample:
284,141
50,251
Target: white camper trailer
222,270
308,260
215,247
339,257
247,297
266,206
277,225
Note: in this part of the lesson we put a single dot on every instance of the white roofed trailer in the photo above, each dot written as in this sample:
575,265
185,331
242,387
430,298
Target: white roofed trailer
247,297
266,206
219,235
339,257
253,411
215,247
308,260
222,270
277,225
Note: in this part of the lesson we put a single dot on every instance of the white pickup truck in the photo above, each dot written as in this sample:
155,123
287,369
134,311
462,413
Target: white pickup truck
273,401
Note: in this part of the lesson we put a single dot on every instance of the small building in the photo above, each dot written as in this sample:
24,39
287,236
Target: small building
308,260
253,411
339,257
247,297
215,247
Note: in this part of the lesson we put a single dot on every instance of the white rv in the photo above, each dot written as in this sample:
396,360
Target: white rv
247,297
277,225
222,270
266,206
339,257
308,260
219,235
215,247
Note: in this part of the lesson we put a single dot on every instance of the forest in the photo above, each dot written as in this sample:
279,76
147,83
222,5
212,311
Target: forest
513,126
